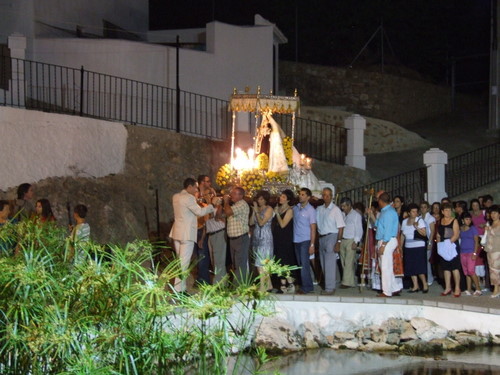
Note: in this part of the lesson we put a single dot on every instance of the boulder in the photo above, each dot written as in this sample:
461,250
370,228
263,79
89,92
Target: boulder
427,330
408,333
378,334
393,325
393,338
277,335
469,339
371,346
343,336
446,343
351,344
312,335
364,334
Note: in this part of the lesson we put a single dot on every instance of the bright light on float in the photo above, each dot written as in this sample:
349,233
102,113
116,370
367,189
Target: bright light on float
243,160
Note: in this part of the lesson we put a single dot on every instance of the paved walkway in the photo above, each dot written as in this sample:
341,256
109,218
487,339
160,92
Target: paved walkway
483,304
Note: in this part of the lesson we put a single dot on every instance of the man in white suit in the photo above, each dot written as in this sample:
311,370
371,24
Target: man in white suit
184,230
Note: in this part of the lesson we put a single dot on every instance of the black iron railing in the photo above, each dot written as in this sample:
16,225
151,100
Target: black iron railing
54,88
411,185
318,140
472,170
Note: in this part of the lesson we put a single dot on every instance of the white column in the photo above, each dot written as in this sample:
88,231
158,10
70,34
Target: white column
435,161
355,126
17,46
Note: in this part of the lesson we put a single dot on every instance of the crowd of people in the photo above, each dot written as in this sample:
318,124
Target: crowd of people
392,245
22,209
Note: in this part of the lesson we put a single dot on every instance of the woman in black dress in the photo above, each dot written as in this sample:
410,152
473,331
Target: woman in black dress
449,229
282,228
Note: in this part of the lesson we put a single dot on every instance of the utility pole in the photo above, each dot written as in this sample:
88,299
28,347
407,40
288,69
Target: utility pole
494,61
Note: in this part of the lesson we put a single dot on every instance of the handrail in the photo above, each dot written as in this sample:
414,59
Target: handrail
60,89
411,185
473,169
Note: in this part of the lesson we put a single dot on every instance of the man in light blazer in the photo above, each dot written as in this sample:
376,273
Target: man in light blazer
184,230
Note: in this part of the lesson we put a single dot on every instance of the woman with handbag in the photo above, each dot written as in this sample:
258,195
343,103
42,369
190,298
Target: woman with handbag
414,237
449,230
493,249
469,250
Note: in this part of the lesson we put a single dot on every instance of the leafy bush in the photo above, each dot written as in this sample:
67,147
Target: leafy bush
107,314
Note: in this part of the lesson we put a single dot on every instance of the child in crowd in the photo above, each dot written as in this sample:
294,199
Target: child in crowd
80,232
44,211
469,241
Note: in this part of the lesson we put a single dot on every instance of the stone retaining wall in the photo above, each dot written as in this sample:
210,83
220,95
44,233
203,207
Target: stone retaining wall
398,99
154,159
374,327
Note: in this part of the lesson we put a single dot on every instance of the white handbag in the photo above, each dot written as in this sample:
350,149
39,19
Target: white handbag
484,238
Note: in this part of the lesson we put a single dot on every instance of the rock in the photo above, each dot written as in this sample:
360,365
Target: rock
393,325
446,343
343,336
378,334
371,346
312,336
310,341
352,344
421,348
393,338
364,334
277,336
469,339
408,333
427,330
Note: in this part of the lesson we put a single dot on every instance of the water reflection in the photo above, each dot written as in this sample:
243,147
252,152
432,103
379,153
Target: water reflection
484,361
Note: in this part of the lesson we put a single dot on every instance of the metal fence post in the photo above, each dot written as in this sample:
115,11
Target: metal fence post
81,91
177,88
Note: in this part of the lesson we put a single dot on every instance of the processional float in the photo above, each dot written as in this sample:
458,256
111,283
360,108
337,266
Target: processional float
284,166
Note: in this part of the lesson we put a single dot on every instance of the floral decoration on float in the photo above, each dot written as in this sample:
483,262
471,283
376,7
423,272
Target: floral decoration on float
273,164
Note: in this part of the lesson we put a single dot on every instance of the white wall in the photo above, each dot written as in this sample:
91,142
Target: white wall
351,316
28,17
16,16
122,58
38,145
236,57
131,15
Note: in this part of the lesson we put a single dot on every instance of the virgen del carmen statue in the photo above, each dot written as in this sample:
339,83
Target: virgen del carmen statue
273,164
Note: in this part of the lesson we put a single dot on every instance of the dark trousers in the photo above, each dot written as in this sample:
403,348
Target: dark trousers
302,255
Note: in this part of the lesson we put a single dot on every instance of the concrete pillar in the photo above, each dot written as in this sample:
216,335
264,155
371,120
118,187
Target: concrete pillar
435,161
355,126
17,47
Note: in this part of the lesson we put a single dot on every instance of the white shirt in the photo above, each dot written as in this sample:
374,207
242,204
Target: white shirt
329,219
409,232
429,219
353,225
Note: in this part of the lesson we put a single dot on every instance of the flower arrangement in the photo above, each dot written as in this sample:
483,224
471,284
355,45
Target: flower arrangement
225,176
275,177
262,162
287,147
251,181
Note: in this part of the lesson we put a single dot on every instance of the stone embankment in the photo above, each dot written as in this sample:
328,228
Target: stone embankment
417,336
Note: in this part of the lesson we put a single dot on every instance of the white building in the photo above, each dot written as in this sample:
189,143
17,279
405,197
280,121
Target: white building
112,37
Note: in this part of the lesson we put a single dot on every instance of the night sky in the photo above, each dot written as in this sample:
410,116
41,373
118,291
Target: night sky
421,36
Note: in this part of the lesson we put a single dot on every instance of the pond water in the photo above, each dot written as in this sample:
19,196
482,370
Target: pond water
481,361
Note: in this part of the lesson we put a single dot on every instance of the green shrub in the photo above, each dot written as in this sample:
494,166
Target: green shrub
107,314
